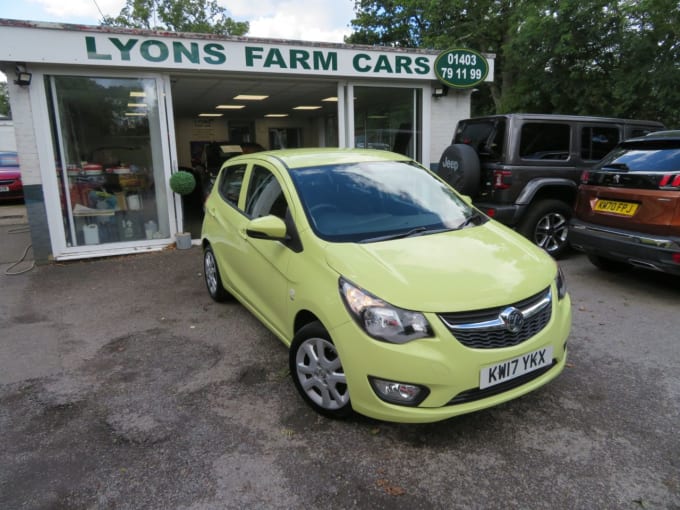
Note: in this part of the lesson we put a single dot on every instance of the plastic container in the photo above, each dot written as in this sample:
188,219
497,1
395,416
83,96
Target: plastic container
91,233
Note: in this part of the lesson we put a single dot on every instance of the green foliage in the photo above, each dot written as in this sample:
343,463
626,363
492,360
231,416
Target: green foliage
200,16
182,182
593,57
4,100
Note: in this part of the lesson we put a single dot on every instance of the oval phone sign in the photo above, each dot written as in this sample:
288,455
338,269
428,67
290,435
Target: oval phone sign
461,68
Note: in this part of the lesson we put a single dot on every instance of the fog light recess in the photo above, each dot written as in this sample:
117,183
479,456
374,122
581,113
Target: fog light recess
400,393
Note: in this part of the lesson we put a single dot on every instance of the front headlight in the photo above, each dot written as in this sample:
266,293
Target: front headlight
561,283
381,320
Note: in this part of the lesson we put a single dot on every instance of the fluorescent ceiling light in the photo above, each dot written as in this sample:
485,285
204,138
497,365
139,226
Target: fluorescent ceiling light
137,93
249,97
307,108
137,105
230,106
377,117
135,114
276,115
210,114
331,99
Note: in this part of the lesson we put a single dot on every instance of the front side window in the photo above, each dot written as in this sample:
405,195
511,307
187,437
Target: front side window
109,159
374,201
264,195
545,141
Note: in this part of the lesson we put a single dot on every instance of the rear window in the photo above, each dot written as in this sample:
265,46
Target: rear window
657,156
485,136
597,141
545,141
9,160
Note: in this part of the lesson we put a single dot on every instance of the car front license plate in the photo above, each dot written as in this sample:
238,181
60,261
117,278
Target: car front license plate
4,189
615,207
515,367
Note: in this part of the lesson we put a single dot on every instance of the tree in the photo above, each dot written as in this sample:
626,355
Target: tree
595,57
201,16
483,25
4,100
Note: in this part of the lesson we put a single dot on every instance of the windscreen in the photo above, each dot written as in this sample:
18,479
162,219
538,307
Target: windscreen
377,200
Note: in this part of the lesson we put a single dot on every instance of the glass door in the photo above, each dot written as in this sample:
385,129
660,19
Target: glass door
109,159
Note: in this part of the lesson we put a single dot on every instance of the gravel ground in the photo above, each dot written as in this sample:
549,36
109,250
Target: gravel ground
122,385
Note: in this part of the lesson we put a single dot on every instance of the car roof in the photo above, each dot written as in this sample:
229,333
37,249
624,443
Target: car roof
304,158
671,133
661,141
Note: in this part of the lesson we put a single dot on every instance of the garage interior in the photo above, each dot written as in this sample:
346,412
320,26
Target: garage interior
241,113
211,111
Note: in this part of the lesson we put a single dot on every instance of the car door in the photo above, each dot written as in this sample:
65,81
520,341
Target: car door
264,262
224,221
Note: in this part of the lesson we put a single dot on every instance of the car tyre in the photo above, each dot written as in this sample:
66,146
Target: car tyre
459,166
213,280
609,265
546,224
317,372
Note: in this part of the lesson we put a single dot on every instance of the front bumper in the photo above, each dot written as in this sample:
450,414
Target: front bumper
449,370
635,248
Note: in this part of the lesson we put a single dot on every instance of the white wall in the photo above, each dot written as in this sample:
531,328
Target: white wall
446,111
7,140
24,132
310,133
199,130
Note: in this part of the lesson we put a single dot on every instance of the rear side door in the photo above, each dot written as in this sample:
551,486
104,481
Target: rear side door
224,219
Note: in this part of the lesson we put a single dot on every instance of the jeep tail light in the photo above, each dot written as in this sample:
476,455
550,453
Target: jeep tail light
585,177
502,179
676,258
490,213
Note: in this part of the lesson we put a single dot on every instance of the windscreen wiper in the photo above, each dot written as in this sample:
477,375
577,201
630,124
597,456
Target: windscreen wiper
471,219
617,166
400,235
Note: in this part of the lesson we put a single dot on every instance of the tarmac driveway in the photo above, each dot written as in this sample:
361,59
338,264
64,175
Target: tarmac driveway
122,385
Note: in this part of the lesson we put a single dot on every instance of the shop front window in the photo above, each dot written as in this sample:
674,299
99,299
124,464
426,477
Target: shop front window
388,119
109,159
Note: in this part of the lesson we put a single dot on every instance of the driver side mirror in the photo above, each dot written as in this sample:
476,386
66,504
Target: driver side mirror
267,227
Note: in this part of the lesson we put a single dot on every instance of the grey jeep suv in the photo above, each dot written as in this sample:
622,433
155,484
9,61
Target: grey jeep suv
523,169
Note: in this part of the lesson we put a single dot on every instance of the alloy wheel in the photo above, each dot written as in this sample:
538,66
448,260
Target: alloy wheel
320,373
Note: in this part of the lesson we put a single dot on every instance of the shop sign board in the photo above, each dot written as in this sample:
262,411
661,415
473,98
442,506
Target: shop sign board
167,51
461,68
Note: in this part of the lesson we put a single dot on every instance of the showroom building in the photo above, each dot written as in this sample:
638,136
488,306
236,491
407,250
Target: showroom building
103,117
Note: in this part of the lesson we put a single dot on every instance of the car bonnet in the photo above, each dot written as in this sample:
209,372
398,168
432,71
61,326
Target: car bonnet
468,269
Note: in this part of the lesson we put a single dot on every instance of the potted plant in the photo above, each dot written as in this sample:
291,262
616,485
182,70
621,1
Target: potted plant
183,183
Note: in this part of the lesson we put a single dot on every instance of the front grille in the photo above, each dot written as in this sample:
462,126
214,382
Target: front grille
477,394
484,329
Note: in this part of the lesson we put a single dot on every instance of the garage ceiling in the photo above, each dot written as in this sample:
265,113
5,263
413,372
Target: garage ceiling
201,94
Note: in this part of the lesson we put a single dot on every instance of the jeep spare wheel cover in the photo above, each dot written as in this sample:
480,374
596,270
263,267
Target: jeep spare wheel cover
459,166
